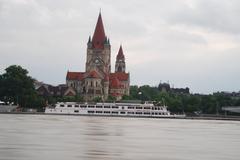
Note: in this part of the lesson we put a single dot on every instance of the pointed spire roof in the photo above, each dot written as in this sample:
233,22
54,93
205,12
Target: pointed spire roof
99,34
120,54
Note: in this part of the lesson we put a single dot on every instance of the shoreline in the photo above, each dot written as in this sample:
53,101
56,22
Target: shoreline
213,117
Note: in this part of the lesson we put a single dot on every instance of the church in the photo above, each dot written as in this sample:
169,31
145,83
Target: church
97,81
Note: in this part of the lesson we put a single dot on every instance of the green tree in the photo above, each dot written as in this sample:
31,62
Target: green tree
17,87
111,98
97,99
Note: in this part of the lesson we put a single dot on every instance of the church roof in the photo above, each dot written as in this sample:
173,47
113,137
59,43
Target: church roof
75,75
120,54
115,83
93,74
99,34
120,76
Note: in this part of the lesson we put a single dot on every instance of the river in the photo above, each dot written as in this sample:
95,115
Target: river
45,137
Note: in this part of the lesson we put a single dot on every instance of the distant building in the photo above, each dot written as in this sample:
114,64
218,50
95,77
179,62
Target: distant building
97,80
165,87
57,91
234,95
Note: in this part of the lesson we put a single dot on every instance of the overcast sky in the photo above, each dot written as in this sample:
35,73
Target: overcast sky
190,43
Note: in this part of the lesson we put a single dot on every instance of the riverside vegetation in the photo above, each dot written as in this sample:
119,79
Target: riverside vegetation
17,87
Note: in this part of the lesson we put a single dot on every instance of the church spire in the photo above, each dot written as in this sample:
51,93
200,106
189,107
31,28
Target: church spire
99,34
120,54
120,65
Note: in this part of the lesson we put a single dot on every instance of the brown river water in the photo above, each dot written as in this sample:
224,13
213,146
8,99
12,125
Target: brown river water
50,137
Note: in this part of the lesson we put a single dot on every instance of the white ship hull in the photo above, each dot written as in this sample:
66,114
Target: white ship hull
110,109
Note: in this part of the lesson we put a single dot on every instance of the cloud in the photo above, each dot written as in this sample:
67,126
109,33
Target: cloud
191,43
213,15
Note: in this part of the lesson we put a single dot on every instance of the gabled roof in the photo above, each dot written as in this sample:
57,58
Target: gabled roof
120,76
120,54
75,75
115,83
60,90
93,74
99,34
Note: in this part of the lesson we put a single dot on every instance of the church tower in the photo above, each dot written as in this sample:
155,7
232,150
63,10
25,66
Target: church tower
99,50
120,65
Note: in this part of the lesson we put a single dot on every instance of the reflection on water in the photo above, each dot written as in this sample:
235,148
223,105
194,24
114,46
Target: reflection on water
38,137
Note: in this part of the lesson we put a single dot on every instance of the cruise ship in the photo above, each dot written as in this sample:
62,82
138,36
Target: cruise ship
110,109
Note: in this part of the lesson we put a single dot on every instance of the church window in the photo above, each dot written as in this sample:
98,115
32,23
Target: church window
98,91
91,83
119,69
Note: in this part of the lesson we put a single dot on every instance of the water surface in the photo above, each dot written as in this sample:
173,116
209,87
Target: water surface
45,137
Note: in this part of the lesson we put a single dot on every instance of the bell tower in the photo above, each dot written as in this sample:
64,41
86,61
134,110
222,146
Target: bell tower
120,65
99,50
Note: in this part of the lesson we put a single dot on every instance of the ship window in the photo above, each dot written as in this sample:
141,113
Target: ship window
106,112
122,112
114,112
62,105
98,111
90,111
76,111
76,106
83,106
131,107
138,112
98,106
147,108
130,112
114,106
69,105
106,106
91,106
147,113
138,107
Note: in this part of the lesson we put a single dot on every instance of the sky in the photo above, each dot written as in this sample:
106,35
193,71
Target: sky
188,43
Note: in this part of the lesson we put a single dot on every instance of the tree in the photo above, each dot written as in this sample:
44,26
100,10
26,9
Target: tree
111,98
97,99
17,87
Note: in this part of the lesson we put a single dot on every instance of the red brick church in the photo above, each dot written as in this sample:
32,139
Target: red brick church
97,80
